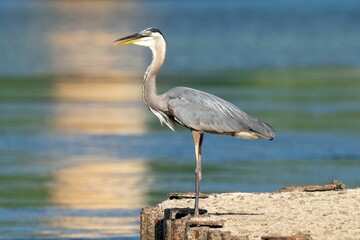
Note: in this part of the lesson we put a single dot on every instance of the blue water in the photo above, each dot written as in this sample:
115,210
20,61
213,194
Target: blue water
80,154
202,36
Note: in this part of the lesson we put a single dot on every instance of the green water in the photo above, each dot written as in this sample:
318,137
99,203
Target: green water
55,162
316,104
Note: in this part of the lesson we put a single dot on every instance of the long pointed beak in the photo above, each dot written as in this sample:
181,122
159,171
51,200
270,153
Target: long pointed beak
127,40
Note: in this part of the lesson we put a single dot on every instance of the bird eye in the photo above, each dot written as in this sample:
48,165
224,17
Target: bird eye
146,33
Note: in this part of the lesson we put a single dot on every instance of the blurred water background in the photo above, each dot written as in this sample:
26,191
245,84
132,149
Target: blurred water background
80,154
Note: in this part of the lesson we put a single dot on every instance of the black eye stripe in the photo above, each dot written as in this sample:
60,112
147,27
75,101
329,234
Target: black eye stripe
154,30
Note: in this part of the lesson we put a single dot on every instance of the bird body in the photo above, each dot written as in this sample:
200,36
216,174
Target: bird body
203,111
197,110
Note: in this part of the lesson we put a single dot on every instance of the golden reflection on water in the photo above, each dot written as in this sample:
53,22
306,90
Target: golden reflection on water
86,7
90,97
98,184
109,107
87,46
87,90
96,227
104,184
83,88
100,120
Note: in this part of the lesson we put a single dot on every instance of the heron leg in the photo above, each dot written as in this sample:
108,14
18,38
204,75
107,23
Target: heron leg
198,138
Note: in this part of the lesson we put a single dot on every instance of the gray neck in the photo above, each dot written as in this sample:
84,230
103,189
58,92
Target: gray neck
150,96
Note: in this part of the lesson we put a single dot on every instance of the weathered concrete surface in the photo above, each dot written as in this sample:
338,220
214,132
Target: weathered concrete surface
279,215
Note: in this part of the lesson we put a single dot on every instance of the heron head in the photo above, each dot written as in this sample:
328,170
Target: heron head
146,37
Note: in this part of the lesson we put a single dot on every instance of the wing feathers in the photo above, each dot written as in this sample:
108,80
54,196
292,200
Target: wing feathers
205,112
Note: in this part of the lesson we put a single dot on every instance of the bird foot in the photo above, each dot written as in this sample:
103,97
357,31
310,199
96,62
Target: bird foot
186,195
191,214
184,213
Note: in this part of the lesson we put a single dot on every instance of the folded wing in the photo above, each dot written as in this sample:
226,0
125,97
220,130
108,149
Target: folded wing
205,112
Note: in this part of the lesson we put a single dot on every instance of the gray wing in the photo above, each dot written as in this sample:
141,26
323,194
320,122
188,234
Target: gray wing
205,112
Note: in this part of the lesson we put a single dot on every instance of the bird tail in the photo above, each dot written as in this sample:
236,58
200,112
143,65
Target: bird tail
268,132
257,130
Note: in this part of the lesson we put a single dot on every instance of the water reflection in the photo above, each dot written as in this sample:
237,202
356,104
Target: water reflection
93,227
104,88
102,184
86,53
90,98
87,46
92,188
98,107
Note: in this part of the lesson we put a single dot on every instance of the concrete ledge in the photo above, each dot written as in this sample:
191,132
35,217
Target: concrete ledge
304,213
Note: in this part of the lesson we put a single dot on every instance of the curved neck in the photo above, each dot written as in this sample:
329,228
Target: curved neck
149,86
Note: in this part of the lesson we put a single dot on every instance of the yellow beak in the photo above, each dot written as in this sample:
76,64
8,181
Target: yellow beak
127,40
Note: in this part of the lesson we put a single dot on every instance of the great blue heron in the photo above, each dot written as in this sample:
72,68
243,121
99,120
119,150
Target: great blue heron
199,111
